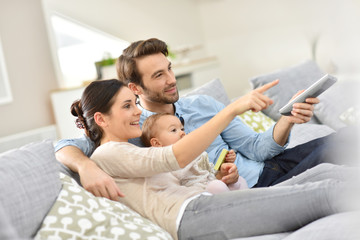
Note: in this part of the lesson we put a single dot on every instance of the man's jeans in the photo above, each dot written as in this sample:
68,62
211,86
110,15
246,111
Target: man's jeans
339,148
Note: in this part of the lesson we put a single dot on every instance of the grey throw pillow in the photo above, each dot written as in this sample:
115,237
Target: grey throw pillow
214,88
7,230
339,104
292,80
29,183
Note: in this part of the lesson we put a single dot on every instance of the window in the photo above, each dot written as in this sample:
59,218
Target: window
5,93
78,47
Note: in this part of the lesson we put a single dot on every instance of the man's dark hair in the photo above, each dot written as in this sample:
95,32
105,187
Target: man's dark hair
126,64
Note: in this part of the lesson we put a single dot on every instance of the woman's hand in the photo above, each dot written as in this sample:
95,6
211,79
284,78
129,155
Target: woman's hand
92,178
96,181
228,173
200,139
254,100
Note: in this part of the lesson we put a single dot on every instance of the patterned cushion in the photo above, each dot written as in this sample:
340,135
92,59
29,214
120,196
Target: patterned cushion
77,214
257,121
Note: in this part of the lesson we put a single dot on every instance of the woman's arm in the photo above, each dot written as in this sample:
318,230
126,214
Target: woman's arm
191,146
92,177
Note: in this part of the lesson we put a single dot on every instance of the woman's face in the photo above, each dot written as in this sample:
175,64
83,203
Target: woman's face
122,123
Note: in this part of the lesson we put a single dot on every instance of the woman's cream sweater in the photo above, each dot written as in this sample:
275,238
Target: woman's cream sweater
146,177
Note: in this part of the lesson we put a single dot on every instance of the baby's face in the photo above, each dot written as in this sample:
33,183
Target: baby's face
169,130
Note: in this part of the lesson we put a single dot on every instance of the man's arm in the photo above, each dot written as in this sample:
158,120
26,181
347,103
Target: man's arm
237,135
92,177
301,113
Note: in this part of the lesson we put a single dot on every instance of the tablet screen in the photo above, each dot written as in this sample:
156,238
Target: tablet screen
314,90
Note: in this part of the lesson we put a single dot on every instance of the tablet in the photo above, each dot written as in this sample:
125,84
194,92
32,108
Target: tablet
313,91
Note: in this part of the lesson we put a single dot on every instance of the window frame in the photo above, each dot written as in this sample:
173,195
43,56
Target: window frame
6,96
62,82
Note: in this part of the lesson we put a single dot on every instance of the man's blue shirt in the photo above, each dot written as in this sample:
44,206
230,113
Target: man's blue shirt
252,148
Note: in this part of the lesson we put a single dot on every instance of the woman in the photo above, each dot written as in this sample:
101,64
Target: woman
108,113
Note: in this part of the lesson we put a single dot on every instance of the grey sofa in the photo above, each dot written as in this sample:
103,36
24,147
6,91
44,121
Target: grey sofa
40,198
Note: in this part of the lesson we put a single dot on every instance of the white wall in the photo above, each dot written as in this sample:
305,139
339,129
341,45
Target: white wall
175,21
250,37
256,37
29,67
29,61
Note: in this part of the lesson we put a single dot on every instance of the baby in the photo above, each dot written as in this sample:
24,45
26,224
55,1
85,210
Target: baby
165,129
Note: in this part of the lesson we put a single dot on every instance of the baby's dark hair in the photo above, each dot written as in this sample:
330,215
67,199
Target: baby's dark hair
148,130
97,97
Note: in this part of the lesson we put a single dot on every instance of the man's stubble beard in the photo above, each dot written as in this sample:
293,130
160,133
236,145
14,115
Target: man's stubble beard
160,98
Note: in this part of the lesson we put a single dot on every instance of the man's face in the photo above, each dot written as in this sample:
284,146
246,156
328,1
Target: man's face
159,83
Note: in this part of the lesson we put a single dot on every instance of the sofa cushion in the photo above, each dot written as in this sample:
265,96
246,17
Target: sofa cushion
300,133
339,106
29,183
344,226
7,230
214,88
77,214
303,133
275,236
292,80
257,121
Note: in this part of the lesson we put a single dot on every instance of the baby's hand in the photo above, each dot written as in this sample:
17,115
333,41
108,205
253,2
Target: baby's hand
228,173
230,157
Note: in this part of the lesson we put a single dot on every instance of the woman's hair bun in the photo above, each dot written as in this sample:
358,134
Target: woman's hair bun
76,111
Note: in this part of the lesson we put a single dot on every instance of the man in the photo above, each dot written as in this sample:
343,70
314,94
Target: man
261,158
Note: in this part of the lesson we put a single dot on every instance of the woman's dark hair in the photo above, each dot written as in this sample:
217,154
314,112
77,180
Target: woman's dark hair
126,64
97,97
